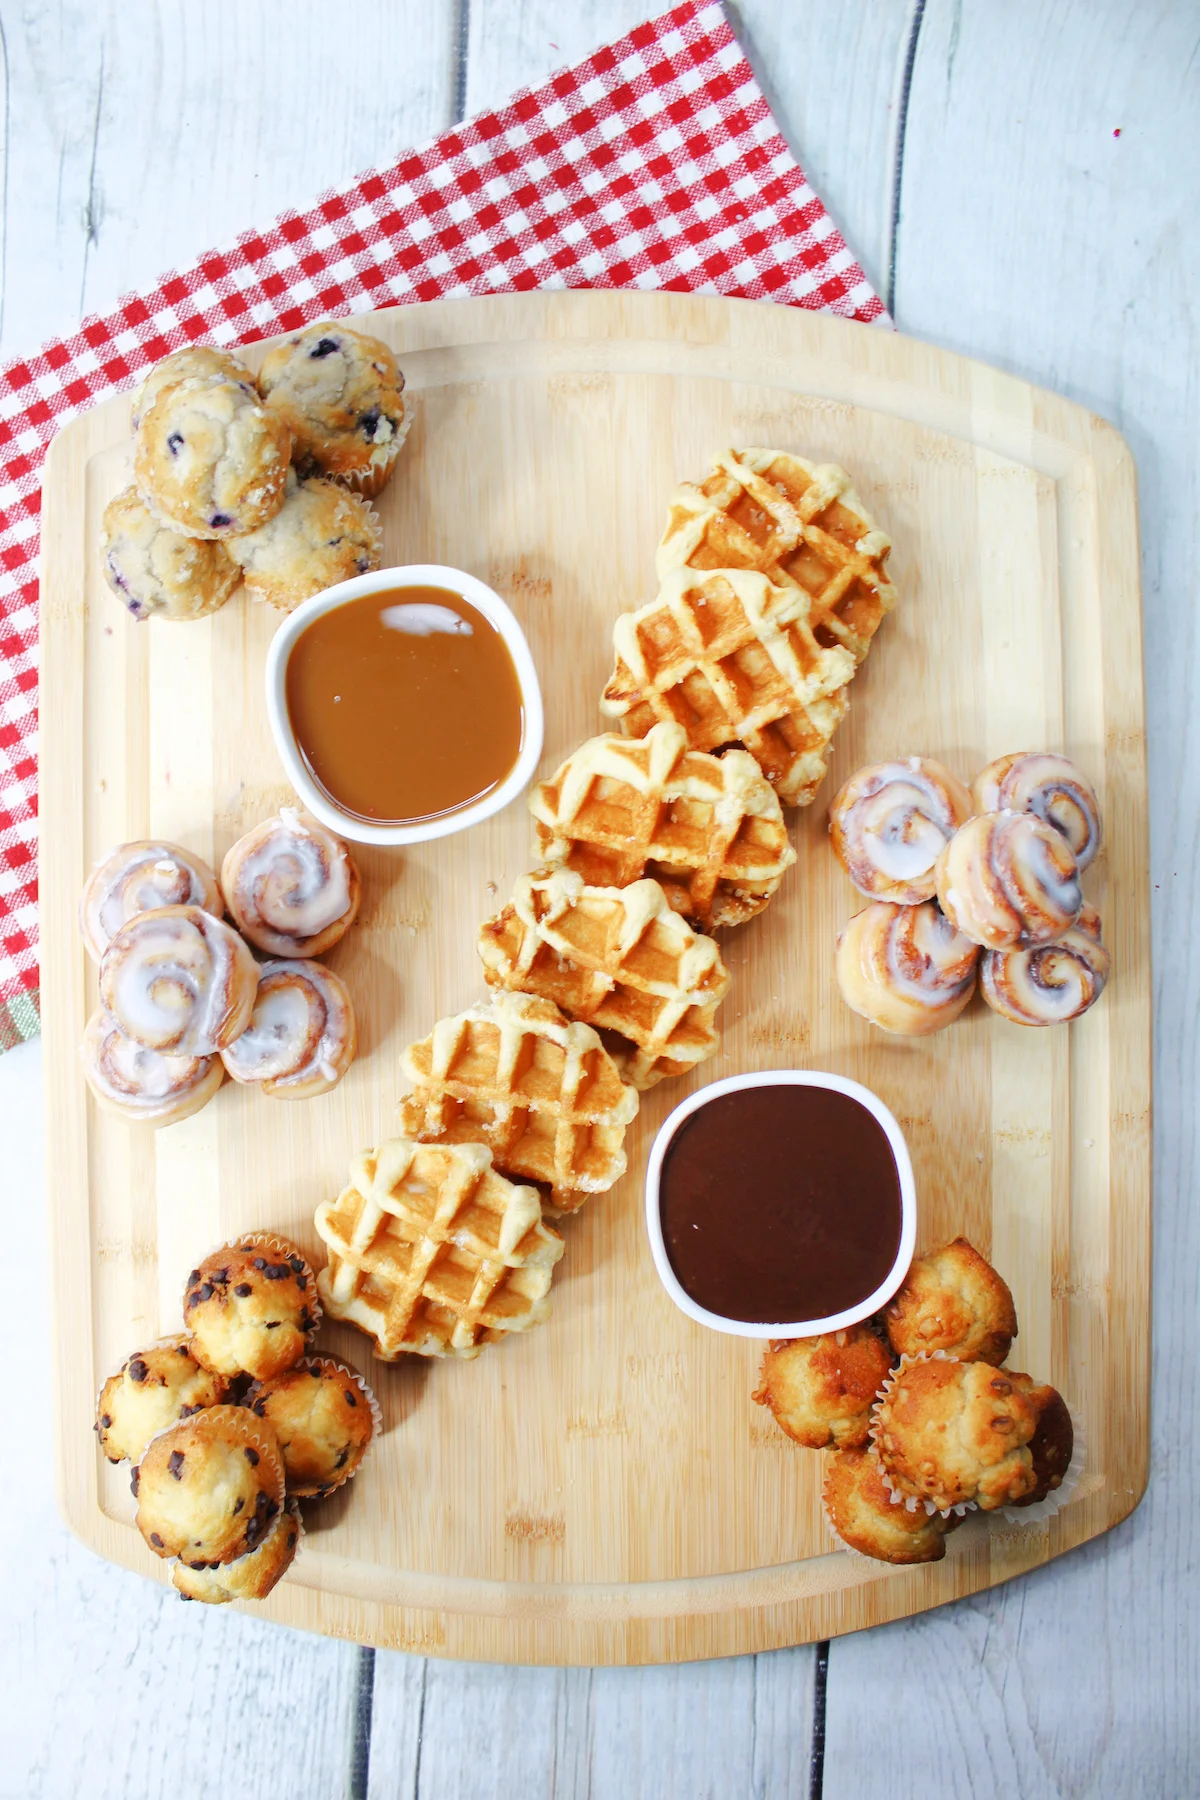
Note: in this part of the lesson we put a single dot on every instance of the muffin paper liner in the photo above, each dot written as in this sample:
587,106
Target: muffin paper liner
1058,1497
280,1248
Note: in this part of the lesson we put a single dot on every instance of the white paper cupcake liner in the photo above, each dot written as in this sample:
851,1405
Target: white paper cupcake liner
1058,1497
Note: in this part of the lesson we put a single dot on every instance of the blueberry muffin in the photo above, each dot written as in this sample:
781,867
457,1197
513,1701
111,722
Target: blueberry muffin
864,1515
252,1576
320,535
159,573
953,1300
210,459
251,1306
209,1490
323,1414
193,362
821,1389
152,1390
956,1432
340,394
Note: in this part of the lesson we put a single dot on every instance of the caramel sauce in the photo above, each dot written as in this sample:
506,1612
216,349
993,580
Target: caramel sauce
780,1203
405,705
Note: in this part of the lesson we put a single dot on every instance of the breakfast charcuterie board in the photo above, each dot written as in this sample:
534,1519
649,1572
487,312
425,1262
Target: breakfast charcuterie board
602,1490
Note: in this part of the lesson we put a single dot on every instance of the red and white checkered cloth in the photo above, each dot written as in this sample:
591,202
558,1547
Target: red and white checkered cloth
655,163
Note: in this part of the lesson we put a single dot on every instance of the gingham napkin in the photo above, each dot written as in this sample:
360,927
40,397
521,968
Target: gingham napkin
655,163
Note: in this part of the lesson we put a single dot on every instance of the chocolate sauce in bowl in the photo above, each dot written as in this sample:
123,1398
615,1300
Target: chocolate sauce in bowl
780,1203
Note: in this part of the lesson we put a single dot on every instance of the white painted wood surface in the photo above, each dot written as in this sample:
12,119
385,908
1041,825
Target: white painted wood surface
1029,235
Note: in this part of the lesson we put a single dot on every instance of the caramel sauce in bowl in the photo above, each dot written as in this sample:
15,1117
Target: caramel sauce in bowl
781,1205
404,704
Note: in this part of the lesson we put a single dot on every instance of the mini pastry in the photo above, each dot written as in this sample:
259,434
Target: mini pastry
151,1390
1009,878
321,535
953,1301
301,1038
891,822
340,394
209,1490
157,572
821,1389
210,459
1038,781
865,1516
179,981
291,887
252,1576
1053,1442
251,1307
1051,983
956,1432
193,362
138,878
323,1414
905,968
142,1086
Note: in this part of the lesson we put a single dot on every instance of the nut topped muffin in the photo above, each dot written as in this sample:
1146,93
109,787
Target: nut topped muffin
321,535
251,1306
340,394
157,572
323,1414
821,1389
1053,1442
210,459
193,362
210,1489
955,1432
864,1515
953,1300
252,1576
152,1390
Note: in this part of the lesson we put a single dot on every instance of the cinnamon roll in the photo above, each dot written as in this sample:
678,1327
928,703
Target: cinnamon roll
1009,878
301,1038
139,1084
179,981
1040,782
138,878
291,886
905,968
891,822
1050,983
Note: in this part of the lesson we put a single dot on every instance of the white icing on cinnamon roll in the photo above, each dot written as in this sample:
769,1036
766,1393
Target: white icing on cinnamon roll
137,878
179,981
141,1085
1050,983
1040,782
291,887
301,1038
905,968
1009,878
890,823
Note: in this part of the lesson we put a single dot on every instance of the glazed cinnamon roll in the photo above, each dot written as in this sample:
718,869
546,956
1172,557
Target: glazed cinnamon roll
891,822
1050,983
291,886
905,968
137,878
179,981
139,1084
301,1038
1009,878
1039,782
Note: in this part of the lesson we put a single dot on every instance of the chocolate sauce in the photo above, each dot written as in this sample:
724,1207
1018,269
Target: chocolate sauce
780,1203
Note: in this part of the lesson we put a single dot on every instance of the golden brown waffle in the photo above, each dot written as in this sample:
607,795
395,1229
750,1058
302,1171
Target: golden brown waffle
733,659
617,958
432,1252
540,1091
799,524
708,829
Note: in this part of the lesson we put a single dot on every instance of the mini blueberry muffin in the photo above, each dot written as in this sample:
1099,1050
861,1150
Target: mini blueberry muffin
193,362
821,1389
152,1390
209,1490
159,573
953,1300
251,1306
864,1515
1053,1442
320,535
252,1576
340,394
323,1414
956,1432
210,459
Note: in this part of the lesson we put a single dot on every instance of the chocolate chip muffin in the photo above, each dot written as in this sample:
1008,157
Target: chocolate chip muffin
252,1576
324,1416
340,394
251,1306
152,1390
821,1389
193,362
864,1515
953,1301
953,1433
209,1490
210,459
159,573
321,535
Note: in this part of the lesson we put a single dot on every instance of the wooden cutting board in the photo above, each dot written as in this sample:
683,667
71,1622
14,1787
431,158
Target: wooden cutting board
603,1490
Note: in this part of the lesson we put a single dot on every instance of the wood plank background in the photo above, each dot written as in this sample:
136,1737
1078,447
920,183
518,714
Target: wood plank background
969,152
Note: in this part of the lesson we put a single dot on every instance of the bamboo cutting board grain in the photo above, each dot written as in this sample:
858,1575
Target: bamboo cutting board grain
603,1490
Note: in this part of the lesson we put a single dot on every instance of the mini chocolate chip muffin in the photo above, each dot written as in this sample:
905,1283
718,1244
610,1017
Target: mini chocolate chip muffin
953,1300
210,459
152,1390
159,573
1053,1442
340,394
193,362
320,535
323,1414
251,1307
864,1515
821,1389
956,1432
209,1490
252,1576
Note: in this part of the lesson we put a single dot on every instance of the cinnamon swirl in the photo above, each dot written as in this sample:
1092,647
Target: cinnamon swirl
905,968
179,981
891,822
1051,983
1040,782
139,1084
301,1038
291,887
140,877
1009,878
